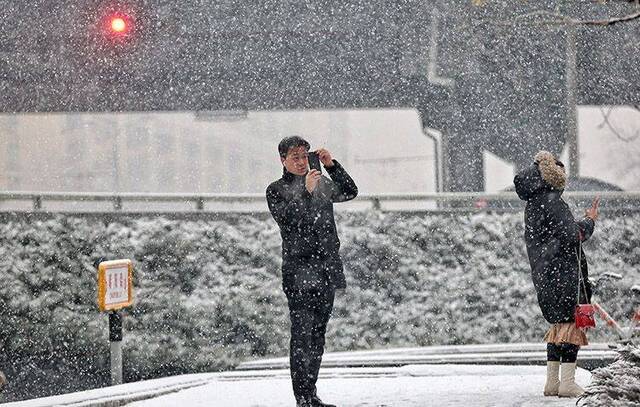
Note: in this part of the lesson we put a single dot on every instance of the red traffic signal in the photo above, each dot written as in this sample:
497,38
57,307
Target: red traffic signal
119,25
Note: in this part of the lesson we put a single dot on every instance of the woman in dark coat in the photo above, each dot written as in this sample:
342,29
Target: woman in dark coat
553,238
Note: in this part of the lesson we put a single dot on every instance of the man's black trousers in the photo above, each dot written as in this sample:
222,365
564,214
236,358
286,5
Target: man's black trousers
309,313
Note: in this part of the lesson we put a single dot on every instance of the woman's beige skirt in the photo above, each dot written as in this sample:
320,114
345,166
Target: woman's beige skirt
566,333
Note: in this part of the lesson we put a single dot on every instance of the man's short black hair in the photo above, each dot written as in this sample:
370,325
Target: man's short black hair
290,142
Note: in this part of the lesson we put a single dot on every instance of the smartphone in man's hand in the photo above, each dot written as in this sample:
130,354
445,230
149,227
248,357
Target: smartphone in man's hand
314,161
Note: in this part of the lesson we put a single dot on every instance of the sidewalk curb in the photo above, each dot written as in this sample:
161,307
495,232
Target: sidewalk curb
119,395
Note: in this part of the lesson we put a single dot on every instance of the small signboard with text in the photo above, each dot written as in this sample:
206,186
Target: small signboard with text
115,284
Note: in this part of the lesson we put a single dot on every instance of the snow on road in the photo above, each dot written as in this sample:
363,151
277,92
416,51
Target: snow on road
414,385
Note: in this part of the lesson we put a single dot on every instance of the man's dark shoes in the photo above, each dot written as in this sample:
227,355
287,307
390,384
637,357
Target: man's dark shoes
304,402
316,402
313,401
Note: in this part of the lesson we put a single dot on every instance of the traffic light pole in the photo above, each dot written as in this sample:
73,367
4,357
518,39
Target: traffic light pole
115,339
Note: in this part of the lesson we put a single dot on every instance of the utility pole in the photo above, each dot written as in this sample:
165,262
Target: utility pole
115,151
572,128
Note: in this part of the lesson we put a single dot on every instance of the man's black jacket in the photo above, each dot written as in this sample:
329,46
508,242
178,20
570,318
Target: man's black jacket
307,225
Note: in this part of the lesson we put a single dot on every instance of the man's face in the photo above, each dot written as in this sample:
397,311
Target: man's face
296,161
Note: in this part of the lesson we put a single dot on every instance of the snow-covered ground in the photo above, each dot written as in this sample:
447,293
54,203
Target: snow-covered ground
470,375
413,385
406,386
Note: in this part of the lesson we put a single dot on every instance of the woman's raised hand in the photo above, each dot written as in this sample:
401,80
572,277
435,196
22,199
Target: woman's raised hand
592,213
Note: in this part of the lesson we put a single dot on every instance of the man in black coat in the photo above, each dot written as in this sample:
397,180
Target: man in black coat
553,238
301,202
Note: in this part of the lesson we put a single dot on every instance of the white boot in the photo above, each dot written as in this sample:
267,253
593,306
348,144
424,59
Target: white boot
568,386
553,381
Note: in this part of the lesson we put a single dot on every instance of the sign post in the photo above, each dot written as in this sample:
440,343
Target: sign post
115,291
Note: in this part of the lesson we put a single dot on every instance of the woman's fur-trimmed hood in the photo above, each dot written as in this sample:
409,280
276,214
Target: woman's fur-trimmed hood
550,171
544,175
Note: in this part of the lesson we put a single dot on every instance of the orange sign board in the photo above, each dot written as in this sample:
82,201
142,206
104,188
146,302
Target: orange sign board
115,284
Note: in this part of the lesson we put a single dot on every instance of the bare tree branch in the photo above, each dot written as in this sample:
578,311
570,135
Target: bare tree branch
606,122
605,116
559,19
610,21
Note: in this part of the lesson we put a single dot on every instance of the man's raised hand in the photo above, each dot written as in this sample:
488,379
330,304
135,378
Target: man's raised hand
312,179
325,157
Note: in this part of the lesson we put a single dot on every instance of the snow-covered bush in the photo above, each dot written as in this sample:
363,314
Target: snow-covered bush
616,385
208,289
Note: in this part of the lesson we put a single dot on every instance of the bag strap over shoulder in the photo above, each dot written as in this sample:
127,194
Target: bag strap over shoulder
580,279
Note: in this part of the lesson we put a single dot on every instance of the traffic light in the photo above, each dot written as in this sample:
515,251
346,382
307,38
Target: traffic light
113,39
119,26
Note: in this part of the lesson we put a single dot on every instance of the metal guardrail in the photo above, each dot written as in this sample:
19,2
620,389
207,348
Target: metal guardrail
69,201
